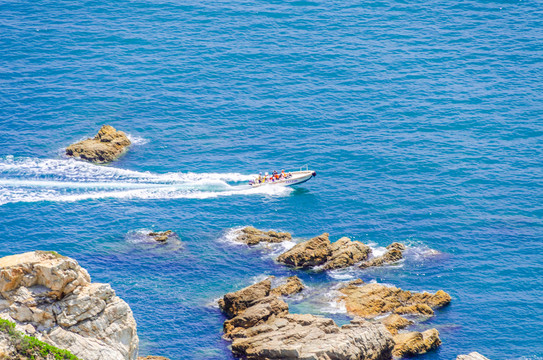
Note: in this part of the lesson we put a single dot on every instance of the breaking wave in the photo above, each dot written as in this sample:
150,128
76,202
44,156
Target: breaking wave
31,179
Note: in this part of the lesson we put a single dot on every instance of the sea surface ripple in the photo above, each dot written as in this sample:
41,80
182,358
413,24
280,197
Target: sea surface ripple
423,121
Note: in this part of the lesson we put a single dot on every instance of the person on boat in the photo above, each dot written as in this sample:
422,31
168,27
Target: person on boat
283,175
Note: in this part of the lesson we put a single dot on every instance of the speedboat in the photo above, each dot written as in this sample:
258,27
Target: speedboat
291,178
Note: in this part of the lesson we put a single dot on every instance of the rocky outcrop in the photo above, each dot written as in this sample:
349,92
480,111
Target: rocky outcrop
261,327
105,147
370,300
345,252
471,356
51,297
393,254
252,236
309,253
320,252
161,236
415,343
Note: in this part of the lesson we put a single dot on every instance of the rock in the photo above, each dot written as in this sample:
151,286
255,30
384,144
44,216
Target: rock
312,337
161,236
150,357
105,147
309,253
394,254
253,236
346,253
471,356
415,343
395,322
370,300
262,328
51,297
292,286
234,303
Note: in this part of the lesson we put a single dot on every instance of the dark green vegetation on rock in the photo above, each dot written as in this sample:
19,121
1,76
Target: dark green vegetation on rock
28,347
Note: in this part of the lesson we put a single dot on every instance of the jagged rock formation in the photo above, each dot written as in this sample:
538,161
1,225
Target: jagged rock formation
51,297
320,252
394,254
415,343
105,147
471,356
371,300
253,236
261,327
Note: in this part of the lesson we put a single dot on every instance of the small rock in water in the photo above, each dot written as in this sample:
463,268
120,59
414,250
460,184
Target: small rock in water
415,343
161,236
253,236
151,357
105,147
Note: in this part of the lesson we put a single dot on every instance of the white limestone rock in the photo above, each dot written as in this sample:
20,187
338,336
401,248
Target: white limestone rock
51,297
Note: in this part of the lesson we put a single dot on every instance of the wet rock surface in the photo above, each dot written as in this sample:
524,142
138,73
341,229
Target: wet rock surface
292,286
252,236
261,327
105,147
51,297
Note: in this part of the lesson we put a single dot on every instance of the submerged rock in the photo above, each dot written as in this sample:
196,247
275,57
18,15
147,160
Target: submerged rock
471,356
252,236
51,297
161,236
395,322
105,147
370,300
261,327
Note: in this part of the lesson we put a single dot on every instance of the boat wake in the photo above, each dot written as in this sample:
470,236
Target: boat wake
30,180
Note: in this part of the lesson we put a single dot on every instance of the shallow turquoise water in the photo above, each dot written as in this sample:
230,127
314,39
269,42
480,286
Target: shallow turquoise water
422,120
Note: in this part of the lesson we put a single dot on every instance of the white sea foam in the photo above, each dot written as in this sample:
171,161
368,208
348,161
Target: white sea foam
30,179
137,140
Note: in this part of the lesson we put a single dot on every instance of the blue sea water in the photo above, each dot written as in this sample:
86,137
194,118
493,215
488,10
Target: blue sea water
423,121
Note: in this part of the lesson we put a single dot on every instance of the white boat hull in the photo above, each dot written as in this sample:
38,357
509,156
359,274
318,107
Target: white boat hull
297,177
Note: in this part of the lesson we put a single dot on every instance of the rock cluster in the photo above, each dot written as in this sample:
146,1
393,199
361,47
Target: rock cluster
261,327
51,297
252,236
471,356
105,147
320,252
371,300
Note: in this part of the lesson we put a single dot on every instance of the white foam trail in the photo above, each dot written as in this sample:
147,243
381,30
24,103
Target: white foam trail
29,180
